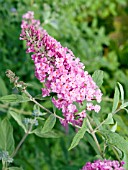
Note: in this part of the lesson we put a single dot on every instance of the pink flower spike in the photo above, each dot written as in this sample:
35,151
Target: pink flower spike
59,70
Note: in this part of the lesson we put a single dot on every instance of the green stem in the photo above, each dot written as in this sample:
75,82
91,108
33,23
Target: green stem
38,104
4,163
22,140
42,107
29,130
94,137
106,119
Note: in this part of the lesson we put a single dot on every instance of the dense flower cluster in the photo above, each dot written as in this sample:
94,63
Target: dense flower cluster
104,165
61,73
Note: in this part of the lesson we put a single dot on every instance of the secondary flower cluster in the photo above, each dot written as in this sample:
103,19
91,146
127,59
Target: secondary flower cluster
104,165
61,73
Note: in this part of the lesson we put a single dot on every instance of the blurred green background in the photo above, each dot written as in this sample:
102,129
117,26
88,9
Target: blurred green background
97,32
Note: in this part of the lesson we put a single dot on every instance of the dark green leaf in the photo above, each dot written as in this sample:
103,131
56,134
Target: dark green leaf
116,99
6,136
79,135
49,123
98,77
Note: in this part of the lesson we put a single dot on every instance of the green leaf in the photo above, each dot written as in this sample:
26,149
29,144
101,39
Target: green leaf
54,108
3,88
98,77
114,127
79,135
36,110
118,141
92,142
116,99
98,157
51,134
40,133
121,123
49,123
18,119
40,118
95,118
109,119
124,105
15,168
125,159
6,136
118,151
126,110
121,92
14,98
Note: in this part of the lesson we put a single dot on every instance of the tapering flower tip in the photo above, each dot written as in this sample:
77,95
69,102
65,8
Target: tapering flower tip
104,165
60,71
28,15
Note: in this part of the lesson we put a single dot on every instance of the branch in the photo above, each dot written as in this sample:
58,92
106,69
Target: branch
94,137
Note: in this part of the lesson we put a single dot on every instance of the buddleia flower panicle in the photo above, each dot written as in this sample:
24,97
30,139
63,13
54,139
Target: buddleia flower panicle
60,71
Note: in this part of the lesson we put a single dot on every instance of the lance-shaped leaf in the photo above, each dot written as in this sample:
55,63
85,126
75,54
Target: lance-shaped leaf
121,92
51,134
79,135
14,98
114,127
116,99
109,119
92,142
15,168
49,123
18,119
118,141
6,136
98,77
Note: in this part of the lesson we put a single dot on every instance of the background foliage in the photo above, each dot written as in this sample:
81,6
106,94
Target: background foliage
97,32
